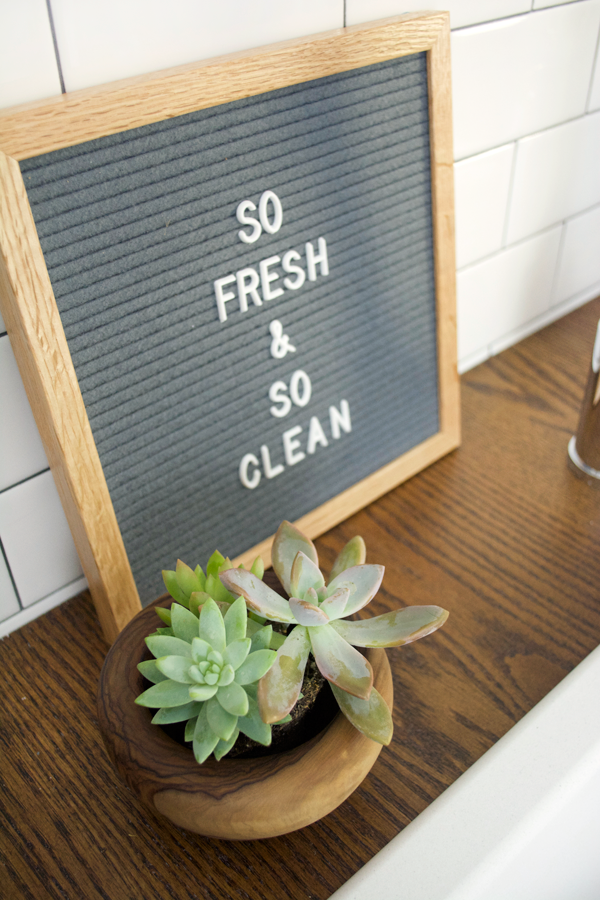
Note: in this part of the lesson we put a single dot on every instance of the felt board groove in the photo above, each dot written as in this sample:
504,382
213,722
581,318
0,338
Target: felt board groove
135,227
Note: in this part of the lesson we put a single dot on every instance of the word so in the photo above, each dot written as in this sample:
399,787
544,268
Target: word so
250,470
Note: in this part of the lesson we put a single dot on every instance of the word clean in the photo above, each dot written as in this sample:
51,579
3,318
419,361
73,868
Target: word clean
250,470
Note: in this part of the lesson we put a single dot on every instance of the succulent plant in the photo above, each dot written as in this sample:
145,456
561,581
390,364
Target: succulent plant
318,611
205,673
191,587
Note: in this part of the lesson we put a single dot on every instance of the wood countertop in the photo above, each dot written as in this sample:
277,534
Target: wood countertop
498,532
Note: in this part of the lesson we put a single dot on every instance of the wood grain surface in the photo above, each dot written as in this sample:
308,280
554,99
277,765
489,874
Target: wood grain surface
500,533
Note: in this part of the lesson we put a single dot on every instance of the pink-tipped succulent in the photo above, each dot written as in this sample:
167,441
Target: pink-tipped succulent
318,611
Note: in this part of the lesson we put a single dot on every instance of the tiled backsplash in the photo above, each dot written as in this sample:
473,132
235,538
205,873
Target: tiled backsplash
526,81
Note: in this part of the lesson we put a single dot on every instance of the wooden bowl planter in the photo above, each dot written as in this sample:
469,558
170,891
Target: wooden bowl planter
240,799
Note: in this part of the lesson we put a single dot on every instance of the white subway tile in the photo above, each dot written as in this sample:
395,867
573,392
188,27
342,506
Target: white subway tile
42,606
557,175
542,4
21,450
9,605
462,12
101,42
594,101
505,291
36,539
28,69
481,196
580,258
517,76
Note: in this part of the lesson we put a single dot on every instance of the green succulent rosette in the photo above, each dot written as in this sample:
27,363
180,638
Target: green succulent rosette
205,673
318,612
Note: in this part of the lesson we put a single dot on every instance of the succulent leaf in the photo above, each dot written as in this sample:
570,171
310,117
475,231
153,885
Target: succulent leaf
353,554
363,583
224,747
197,601
171,584
335,605
340,663
305,574
164,645
169,715
279,688
205,740
200,650
190,727
236,652
163,614
217,590
371,717
221,721
226,677
200,575
286,544
187,579
212,626
258,595
255,666
402,626
214,564
253,726
202,692
234,699
261,639
236,618
149,671
165,693
258,567
306,613
184,623
177,668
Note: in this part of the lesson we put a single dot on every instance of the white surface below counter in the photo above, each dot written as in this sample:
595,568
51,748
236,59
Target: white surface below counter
523,823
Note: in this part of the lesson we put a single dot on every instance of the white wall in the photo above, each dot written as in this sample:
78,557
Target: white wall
527,143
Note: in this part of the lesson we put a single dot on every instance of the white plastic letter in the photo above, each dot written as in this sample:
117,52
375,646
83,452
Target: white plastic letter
274,226
248,289
267,277
278,394
290,446
312,259
316,435
243,219
300,380
340,418
248,481
223,296
270,471
288,266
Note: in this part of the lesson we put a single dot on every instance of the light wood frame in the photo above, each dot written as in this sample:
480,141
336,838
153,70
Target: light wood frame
29,308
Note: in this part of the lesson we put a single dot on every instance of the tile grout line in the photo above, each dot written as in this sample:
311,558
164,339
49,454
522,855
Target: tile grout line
557,265
345,1
509,199
24,480
596,62
523,240
55,44
11,576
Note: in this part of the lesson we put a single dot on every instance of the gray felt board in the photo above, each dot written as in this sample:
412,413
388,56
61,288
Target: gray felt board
136,227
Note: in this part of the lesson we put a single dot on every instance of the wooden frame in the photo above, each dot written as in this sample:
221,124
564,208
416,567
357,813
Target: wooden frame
30,310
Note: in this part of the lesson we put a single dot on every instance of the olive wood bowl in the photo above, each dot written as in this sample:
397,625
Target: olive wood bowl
236,799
